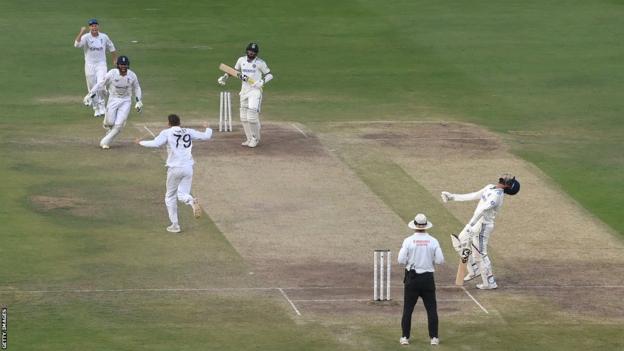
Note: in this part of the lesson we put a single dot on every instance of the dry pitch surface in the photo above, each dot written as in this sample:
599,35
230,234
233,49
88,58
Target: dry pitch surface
305,222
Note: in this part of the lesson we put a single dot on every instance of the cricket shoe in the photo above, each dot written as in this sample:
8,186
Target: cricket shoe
246,142
435,341
487,287
197,209
404,341
174,228
253,142
105,147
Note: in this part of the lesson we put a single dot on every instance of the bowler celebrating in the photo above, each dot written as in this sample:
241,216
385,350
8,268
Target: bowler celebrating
252,69
179,166
95,44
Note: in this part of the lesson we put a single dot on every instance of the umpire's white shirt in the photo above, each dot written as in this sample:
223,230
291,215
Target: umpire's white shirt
179,144
419,252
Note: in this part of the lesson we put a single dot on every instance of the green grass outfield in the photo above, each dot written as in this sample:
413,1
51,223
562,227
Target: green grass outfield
546,75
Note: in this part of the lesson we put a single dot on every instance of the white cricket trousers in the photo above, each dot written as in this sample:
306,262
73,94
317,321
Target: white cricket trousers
179,180
117,111
479,262
95,73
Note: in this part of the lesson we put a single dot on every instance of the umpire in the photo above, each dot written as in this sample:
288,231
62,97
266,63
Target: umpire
418,253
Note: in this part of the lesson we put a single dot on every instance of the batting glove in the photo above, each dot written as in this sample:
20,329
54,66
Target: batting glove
258,84
446,196
138,106
242,77
88,100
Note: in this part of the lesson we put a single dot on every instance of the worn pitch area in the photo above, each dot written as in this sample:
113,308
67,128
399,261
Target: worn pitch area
303,219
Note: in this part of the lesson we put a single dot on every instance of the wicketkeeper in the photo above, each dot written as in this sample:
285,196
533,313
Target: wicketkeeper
252,69
121,83
476,233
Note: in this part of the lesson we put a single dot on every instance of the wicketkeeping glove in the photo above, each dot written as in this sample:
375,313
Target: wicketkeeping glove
138,106
222,79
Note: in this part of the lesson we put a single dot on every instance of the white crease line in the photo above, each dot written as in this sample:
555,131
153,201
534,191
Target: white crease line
289,301
80,291
152,133
369,300
475,300
299,129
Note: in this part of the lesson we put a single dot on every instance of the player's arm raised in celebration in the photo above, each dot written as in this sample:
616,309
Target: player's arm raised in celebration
159,141
78,42
207,134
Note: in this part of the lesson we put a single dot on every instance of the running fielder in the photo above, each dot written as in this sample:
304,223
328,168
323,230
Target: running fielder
252,69
95,44
121,82
476,233
179,166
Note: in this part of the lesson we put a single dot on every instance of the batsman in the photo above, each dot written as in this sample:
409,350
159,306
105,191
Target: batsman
254,74
471,243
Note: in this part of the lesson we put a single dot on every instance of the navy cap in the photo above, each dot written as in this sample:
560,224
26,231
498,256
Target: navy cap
92,21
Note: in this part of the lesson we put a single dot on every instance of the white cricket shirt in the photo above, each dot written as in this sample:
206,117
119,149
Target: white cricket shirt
420,252
255,70
490,202
179,144
95,47
119,86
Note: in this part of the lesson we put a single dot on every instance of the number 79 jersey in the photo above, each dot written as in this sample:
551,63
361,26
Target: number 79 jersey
179,144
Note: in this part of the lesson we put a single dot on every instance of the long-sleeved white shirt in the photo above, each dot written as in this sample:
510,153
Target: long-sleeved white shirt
490,201
179,144
420,252
120,86
95,47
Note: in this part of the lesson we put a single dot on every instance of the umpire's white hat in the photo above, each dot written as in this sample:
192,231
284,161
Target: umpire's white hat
420,222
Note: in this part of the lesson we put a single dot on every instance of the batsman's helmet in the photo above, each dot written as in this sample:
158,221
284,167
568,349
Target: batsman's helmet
253,47
123,60
512,185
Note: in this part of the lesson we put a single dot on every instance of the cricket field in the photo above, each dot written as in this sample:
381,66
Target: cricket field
376,107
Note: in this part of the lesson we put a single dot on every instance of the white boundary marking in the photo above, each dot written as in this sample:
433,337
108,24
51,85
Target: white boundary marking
475,300
299,130
149,130
289,301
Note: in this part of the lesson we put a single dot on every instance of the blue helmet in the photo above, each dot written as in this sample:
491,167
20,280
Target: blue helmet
512,186
123,60
92,21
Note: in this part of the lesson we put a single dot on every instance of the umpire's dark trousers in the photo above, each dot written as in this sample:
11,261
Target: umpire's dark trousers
419,285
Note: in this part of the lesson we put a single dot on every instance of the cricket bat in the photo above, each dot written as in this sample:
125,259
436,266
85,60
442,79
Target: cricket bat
461,272
234,73
462,268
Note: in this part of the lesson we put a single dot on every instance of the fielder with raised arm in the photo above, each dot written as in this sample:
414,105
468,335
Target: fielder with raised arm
179,166
252,69
121,83
95,44
476,233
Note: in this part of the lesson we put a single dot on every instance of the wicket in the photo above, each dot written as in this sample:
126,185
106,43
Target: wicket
378,274
225,112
